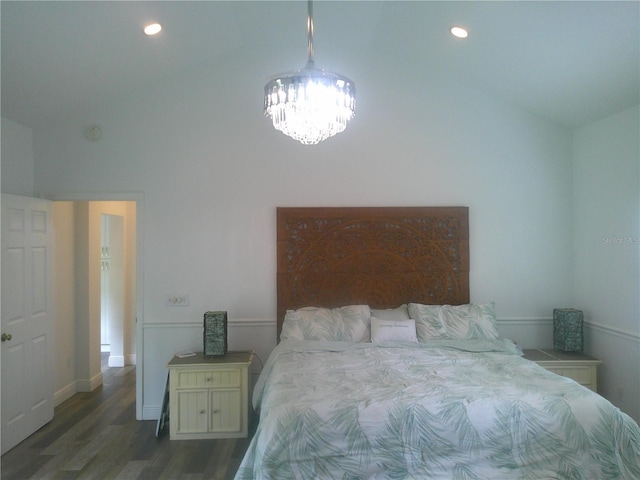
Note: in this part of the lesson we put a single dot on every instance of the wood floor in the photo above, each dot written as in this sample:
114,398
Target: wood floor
96,436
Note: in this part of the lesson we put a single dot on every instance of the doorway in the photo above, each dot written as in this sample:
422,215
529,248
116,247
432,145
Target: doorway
120,215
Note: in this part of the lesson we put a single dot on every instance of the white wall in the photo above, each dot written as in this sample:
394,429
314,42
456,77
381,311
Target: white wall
17,159
64,251
607,250
212,171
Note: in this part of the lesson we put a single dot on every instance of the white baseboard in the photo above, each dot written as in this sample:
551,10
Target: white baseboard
64,393
68,391
90,384
151,412
116,361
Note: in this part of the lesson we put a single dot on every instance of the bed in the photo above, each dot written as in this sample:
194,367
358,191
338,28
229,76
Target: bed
384,370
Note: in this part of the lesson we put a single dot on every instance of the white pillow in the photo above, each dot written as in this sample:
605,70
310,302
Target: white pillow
348,324
398,313
393,330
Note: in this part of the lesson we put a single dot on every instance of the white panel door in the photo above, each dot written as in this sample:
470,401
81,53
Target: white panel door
27,318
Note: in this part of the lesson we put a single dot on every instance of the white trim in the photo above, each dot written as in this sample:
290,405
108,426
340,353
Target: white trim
116,361
262,322
93,196
131,359
149,325
65,393
151,412
89,385
616,332
235,322
525,321
608,329
252,322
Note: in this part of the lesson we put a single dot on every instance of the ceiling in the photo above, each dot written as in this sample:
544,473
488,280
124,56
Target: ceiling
570,62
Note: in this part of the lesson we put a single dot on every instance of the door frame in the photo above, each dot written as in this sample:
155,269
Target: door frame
137,197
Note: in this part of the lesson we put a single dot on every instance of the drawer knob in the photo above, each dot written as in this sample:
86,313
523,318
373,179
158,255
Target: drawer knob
202,412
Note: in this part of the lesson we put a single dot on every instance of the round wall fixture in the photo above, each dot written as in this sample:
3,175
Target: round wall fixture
93,133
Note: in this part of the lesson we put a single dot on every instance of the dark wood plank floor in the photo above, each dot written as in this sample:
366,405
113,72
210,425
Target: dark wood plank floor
96,436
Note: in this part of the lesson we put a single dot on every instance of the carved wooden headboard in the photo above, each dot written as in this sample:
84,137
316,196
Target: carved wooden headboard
378,256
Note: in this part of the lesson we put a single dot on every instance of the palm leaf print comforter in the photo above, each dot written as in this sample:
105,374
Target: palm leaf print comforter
471,409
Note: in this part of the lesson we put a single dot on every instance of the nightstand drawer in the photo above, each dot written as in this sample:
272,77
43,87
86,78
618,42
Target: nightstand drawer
209,379
582,375
577,366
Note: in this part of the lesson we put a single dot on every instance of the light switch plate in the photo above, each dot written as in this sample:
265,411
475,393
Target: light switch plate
176,300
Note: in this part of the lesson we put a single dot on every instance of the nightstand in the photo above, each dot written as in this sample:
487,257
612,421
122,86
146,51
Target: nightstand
209,396
581,368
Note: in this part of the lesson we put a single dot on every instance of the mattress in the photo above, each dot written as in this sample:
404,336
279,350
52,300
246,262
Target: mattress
447,409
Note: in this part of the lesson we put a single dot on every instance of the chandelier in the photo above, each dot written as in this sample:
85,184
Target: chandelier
310,105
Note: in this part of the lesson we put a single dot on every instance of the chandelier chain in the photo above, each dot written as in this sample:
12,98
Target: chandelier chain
310,51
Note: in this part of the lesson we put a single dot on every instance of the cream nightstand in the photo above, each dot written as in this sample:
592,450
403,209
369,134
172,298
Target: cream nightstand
209,396
581,368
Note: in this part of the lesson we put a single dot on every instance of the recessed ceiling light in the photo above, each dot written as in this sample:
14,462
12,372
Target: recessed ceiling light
459,32
153,29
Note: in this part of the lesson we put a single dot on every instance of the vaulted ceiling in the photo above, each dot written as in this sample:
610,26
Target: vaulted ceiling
570,62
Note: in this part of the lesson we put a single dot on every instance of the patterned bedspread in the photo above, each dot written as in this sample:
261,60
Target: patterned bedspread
471,409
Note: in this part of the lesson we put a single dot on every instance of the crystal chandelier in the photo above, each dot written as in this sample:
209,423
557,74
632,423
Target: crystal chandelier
310,105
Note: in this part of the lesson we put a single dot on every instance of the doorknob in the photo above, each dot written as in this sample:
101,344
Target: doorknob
5,336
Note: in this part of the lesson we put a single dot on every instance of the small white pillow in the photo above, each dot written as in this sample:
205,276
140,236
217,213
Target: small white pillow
393,330
398,313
